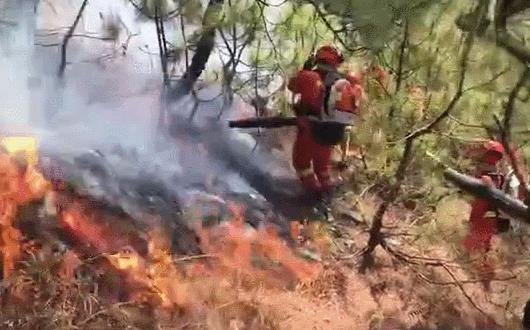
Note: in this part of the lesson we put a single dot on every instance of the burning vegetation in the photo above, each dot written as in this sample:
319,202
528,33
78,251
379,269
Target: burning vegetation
69,263
142,209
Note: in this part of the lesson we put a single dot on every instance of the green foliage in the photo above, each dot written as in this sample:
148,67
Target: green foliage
431,62
164,7
276,39
191,10
376,20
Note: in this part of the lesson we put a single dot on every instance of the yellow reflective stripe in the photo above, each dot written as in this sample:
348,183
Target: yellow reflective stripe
304,172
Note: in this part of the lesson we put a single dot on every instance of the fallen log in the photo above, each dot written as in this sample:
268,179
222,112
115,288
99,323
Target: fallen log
267,122
513,207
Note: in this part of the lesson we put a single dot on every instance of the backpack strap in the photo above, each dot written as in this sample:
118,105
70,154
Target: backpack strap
332,75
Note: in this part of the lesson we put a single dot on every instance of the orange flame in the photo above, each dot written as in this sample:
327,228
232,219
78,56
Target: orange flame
238,249
234,253
84,227
20,183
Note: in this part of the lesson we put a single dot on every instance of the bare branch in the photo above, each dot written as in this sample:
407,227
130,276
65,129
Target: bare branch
336,33
469,281
486,83
461,287
392,194
506,130
67,37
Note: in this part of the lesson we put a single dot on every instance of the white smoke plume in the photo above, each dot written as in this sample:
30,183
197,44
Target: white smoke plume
101,121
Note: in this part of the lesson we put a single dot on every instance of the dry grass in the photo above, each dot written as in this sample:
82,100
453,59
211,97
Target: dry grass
40,296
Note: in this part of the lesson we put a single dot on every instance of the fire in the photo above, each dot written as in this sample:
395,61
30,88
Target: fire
86,229
257,254
235,255
20,183
25,146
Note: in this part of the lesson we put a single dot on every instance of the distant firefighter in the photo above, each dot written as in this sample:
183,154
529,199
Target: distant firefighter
484,220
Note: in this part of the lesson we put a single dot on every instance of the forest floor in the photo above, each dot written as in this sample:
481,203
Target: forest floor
426,281
422,280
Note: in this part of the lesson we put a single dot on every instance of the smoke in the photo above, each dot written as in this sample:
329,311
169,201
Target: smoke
99,123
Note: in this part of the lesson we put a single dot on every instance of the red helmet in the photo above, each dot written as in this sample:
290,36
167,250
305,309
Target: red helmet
494,146
329,55
494,151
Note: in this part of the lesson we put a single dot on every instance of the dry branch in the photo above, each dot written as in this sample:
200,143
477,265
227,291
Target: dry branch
506,129
67,37
408,152
461,287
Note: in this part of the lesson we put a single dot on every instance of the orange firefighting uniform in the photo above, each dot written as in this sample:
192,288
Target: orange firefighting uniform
317,87
350,92
484,215
306,151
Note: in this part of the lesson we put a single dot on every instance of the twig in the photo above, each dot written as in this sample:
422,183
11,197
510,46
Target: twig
468,281
461,138
506,127
68,35
486,83
195,257
461,123
418,260
457,283
104,311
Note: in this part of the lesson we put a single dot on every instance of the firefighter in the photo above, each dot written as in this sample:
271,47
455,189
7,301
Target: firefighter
484,217
485,220
351,96
320,88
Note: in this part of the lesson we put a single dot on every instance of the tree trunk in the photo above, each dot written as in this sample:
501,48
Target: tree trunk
203,50
504,9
